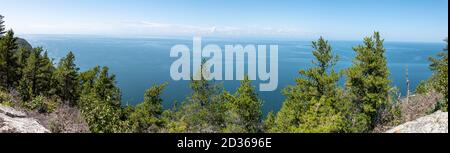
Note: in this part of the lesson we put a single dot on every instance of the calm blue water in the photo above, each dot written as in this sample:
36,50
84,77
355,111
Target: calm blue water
141,62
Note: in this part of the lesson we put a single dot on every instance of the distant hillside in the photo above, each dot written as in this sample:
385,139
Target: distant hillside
24,43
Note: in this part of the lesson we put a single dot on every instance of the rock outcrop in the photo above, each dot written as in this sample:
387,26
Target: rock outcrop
13,121
434,123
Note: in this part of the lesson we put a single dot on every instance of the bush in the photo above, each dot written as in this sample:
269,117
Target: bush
5,99
424,87
41,104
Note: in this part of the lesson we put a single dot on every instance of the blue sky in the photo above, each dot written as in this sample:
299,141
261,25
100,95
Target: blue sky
398,20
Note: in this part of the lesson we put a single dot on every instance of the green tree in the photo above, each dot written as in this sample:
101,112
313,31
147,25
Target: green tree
100,102
28,85
244,110
105,87
66,78
313,104
45,75
269,122
9,68
439,66
100,116
146,115
203,90
201,111
368,79
2,25
22,55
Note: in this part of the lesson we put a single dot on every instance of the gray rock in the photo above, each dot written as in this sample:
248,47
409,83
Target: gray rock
13,121
434,123
11,112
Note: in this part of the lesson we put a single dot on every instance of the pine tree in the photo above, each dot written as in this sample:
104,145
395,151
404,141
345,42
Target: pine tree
269,122
439,66
105,87
313,104
368,79
9,68
28,85
201,111
66,77
203,90
2,26
36,75
244,110
100,101
87,80
45,75
22,56
146,116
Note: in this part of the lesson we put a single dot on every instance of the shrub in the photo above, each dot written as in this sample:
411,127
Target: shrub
41,104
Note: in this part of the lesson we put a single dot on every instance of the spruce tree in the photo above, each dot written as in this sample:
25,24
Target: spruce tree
105,87
28,85
439,66
2,25
9,68
66,77
244,110
146,116
201,111
100,101
203,90
45,75
368,79
313,104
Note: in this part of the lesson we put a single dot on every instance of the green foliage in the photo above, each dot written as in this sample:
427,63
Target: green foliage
100,102
42,104
269,122
440,77
321,117
2,25
424,87
28,85
201,112
313,104
368,80
8,63
243,110
5,99
66,79
101,117
146,116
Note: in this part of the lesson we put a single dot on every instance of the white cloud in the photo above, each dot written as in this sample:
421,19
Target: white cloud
156,28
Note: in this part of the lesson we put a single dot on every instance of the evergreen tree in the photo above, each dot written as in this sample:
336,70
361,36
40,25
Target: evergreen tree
9,68
100,101
368,79
100,116
45,75
66,77
28,85
313,104
22,55
244,110
201,111
269,122
440,77
146,116
87,79
203,90
2,26
105,87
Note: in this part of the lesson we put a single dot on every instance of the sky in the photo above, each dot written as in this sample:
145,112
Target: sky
397,20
